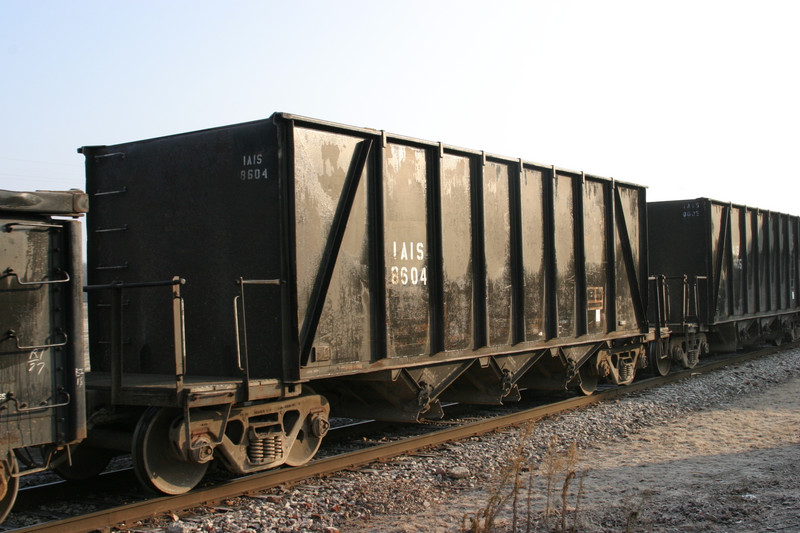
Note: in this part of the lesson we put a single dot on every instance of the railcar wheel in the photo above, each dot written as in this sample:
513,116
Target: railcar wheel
588,378
309,437
8,484
661,364
310,433
157,464
87,462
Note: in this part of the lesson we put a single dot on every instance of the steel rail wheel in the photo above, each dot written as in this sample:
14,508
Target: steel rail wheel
588,377
305,445
661,364
157,465
9,484
309,434
87,462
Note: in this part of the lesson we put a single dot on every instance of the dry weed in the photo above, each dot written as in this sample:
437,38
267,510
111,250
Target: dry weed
557,471
504,487
558,468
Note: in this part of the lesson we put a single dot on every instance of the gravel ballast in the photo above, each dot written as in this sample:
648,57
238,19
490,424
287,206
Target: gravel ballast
436,489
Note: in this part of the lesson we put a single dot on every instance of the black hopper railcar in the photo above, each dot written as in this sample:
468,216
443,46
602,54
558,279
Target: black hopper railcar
244,280
726,277
42,397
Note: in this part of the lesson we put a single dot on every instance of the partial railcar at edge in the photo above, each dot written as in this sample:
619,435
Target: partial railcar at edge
727,274
42,396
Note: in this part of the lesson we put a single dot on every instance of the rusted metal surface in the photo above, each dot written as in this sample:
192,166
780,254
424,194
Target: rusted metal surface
41,341
42,401
259,482
69,203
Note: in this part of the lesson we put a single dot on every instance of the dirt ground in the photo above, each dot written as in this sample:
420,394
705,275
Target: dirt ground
730,469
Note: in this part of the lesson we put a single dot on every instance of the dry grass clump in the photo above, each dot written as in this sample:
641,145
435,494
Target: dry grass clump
503,489
553,479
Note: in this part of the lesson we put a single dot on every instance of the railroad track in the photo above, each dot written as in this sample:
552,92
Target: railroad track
129,514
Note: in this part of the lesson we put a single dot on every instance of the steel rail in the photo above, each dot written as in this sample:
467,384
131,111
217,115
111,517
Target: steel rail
125,516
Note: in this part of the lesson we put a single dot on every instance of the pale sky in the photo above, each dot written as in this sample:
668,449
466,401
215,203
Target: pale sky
690,98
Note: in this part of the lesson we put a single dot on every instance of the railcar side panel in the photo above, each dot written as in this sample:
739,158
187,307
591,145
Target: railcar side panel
322,160
534,250
496,212
455,191
406,250
564,238
41,330
445,253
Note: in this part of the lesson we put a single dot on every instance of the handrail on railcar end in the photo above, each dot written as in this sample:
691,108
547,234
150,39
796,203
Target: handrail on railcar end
116,329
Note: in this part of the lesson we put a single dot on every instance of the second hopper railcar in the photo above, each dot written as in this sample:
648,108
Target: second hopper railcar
727,275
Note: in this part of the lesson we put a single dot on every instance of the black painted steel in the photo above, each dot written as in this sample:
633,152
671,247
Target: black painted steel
203,206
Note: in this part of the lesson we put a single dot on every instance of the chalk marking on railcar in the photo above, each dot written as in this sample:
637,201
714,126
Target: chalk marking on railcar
36,361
